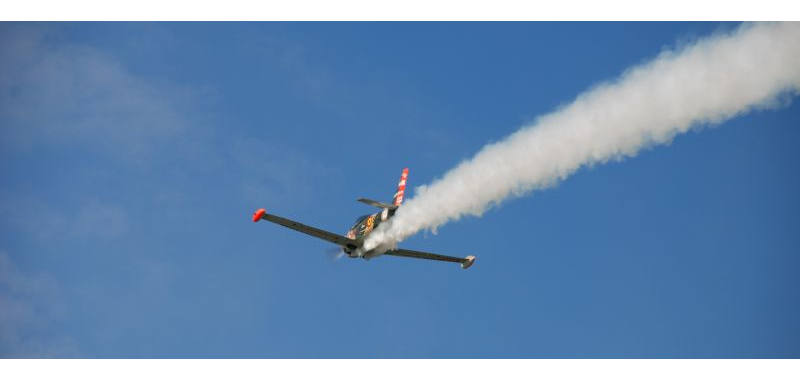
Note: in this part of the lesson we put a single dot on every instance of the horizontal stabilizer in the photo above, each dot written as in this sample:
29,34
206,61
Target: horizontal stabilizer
376,203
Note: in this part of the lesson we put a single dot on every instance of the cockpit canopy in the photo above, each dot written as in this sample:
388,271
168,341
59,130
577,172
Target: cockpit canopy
360,219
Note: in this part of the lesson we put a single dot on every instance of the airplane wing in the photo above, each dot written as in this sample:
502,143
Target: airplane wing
316,232
466,262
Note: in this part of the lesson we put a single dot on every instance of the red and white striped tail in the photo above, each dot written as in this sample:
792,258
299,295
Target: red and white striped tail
401,188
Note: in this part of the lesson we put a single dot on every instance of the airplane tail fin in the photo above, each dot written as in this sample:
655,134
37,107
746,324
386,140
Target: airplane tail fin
401,188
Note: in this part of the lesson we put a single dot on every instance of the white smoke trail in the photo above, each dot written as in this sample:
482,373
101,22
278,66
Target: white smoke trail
707,82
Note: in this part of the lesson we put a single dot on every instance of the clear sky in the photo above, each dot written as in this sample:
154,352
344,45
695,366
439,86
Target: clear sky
132,156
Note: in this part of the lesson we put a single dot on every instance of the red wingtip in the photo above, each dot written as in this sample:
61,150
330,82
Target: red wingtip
258,214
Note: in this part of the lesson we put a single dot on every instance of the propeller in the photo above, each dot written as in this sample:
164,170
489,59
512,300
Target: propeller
335,253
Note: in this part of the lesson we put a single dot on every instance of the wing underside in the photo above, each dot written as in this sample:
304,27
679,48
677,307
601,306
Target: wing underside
465,262
316,232
345,242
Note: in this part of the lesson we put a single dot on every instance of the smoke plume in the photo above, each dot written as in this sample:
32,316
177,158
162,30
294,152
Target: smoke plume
704,83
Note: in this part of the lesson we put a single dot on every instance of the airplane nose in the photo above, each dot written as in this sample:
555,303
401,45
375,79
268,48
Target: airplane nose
258,214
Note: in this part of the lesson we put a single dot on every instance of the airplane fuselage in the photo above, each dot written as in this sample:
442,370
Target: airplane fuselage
362,227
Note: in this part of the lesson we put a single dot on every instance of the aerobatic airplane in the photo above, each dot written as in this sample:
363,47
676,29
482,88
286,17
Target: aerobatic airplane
353,243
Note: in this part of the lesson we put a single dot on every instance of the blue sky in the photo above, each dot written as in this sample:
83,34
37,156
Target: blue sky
133,155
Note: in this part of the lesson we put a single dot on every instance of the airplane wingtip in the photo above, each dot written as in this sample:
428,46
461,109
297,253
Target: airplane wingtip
258,214
469,260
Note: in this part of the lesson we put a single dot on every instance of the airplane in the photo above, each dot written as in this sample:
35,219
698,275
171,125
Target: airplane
352,243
